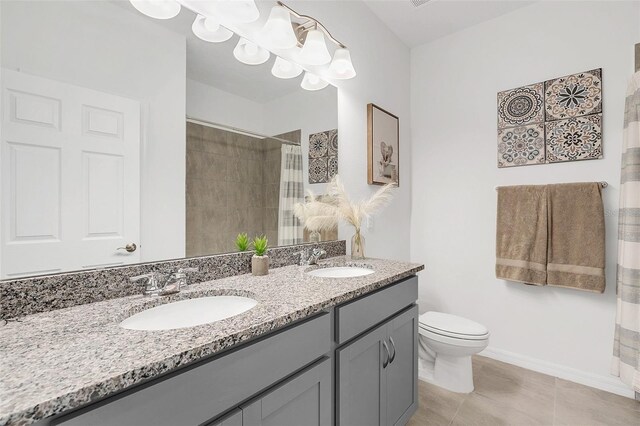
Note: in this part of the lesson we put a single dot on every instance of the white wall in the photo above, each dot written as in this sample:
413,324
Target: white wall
101,46
454,82
217,106
382,63
312,112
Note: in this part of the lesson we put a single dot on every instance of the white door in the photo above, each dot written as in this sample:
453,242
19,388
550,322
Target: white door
70,179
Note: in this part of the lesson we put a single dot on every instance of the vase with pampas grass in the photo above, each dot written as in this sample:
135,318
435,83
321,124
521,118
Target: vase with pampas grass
338,205
316,214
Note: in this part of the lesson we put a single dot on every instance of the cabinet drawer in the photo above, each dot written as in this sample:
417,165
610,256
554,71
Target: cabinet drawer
355,317
194,395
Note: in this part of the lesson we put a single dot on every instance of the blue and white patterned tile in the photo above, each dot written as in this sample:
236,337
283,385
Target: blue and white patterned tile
521,146
574,95
318,170
333,142
332,167
318,144
576,138
521,106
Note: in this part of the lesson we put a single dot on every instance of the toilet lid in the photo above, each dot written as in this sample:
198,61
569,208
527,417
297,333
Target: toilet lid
452,325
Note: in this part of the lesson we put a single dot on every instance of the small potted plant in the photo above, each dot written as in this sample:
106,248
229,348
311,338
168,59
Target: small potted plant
242,242
260,260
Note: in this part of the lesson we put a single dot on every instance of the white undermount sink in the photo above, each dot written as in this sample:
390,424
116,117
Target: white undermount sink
341,272
189,313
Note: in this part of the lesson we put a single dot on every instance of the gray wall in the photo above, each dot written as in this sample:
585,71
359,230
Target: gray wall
232,186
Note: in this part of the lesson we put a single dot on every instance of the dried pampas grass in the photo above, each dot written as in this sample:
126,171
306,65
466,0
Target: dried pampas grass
355,212
316,215
322,215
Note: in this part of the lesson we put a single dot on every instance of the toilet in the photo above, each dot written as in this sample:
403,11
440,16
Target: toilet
446,343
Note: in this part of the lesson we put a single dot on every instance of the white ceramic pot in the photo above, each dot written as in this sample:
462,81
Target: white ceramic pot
259,265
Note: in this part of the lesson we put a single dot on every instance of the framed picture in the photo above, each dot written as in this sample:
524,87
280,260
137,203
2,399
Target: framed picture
383,140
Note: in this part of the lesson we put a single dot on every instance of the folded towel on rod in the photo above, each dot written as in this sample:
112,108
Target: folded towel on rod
576,248
521,238
552,235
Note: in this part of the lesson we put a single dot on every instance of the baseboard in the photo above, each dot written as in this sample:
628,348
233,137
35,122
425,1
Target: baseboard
606,383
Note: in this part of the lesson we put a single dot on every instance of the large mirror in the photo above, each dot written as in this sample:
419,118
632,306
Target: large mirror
127,139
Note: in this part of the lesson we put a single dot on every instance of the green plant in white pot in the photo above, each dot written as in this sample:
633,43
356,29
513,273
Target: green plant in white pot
260,260
242,242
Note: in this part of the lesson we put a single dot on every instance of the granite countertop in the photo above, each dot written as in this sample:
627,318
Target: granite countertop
59,360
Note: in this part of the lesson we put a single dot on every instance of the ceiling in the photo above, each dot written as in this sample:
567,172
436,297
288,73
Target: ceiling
437,18
214,64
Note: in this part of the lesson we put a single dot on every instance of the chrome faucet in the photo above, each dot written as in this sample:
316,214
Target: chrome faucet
312,258
163,285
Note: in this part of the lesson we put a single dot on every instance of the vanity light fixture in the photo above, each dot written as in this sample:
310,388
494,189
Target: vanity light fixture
299,41
240,11
209,29
312,82
314,51
250,53
311,37
278,30
341,67
285,69
159,9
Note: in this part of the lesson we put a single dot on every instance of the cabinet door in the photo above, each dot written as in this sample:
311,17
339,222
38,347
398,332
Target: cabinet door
304,400
402,371
361,380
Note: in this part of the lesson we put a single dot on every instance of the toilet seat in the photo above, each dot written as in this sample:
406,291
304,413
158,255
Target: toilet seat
452,326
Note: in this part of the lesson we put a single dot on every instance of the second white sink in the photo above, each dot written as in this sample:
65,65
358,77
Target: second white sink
189,313
341,272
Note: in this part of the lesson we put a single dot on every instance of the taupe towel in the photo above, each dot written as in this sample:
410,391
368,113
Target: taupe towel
576,251
521,240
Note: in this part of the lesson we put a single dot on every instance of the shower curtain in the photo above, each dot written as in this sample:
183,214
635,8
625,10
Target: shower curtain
626,351
291,192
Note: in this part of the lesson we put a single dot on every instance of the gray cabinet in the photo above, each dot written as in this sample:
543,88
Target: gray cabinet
304,400
287,378
402,371
233,419
198,393
377,374
360,380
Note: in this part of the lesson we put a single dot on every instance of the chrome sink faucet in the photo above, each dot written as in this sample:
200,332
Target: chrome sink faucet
163,285
312,258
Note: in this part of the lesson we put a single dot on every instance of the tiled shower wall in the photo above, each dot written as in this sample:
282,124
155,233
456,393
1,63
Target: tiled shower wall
233,183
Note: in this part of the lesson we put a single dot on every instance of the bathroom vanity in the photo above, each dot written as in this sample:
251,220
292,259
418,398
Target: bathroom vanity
314,350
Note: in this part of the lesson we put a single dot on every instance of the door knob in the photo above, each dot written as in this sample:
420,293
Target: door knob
131,247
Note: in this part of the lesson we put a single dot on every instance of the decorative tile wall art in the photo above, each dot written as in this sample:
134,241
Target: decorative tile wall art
574,95
578,138
555,121
521,106
323,156
521,145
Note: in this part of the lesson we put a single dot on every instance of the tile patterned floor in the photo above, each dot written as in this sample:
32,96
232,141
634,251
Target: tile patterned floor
508,395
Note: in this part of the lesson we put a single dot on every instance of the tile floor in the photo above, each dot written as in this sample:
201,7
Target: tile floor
508,395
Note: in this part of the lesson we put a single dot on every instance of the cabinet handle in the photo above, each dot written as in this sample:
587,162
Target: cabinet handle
393,345
385,362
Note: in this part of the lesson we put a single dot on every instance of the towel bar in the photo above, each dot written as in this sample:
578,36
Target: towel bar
603,184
